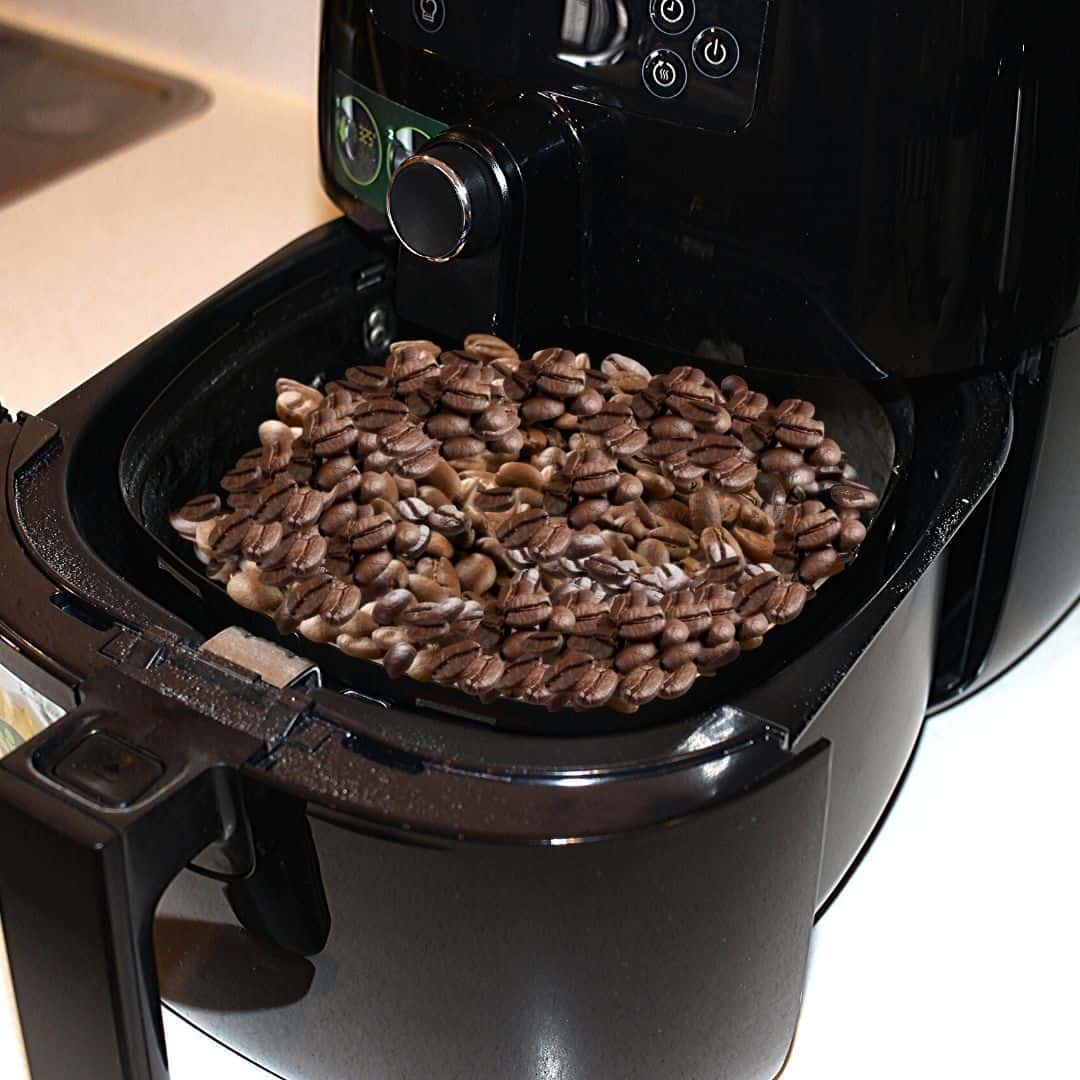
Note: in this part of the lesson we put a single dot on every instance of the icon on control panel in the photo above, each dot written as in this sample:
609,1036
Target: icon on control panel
429,14
716,52
664,73
672,16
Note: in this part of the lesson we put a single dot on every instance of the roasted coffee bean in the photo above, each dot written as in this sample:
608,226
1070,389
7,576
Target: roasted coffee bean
534,643
399,658
678,681
465,394
228,533
588,403
815,530
370,533
538,410
852,534
558,374
640,623
482,675
627,440
476,573
781,459
519,474
448,520
823,563
566,672
800,432
711,660
587,512
369,569
527,609
378,413
612,414
410,366
785,602
488,347
591,473
641,686
245,476
452,660
549,542
756,546
448,425
260,540
199,509
634,656
306,554
304,507
341,604
366,378
496,499
755,590
851,496
518,529
595,687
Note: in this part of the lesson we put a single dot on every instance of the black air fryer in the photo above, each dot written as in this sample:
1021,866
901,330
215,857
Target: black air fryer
872,205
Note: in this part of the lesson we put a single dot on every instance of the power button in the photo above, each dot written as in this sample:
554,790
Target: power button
664,73
716,52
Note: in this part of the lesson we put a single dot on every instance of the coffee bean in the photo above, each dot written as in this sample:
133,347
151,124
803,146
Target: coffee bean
595,687
453,659
199,509
482,675
640,623
245,476
757,547
633,656
448,520
368,569
527,609
851,496
641,686
260,540
399,658
558,374
568,670
534,643
488,347
711,660
815,530
519,474
852,534
678,681
820,564
341,603
517,530
538,410
754,592
228,533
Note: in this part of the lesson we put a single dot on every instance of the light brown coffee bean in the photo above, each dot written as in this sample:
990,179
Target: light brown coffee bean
490,348
755,546
371,567
476,573
820,564
519,474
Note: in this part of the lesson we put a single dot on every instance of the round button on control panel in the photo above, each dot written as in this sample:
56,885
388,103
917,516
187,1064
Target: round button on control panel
716,52
672,16
429,15
664,73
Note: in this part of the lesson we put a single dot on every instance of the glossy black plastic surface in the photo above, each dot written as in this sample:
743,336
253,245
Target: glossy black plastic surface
897,171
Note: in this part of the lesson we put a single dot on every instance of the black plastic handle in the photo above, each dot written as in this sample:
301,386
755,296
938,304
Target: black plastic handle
97,815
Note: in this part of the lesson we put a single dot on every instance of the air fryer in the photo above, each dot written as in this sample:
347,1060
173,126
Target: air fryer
354,876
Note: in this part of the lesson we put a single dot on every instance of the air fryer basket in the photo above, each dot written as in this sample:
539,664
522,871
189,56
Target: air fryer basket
209,414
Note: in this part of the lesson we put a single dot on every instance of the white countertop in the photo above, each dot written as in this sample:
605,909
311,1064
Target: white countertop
953,949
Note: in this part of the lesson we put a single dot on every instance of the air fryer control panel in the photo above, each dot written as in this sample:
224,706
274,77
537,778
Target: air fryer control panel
693,62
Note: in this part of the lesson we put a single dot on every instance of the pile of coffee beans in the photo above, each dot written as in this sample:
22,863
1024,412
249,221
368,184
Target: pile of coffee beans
544,529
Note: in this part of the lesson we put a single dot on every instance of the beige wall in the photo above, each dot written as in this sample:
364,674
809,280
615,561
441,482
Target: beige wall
270,41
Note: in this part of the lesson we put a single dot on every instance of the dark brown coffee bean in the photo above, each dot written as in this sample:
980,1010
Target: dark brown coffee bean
465,446
527,609
260,540
465,394
626,440
754,591
448,520
755,546
558,375
641,686
202,508
745,404
850,496
518,529
827,453
365,378
734,475
398,659
447,425
304,507
852,534
517,670
591,473
800,432
781,459
595,687
633,656
496,499
721,631
816,530
678,681
420,464
370,568
228,534
378,413
820,564
639,623
402,438
369,533
612,414
305,598
341,603
410,539
389,607
562,620
334,470
711,660
675,656
550,542
536,643
245,476
587,512
482,675
568,670
676,632
785,602
335,521
538,410
306,554
408,368
452,660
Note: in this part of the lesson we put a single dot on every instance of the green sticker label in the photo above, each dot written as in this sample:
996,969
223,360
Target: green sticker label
373,136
